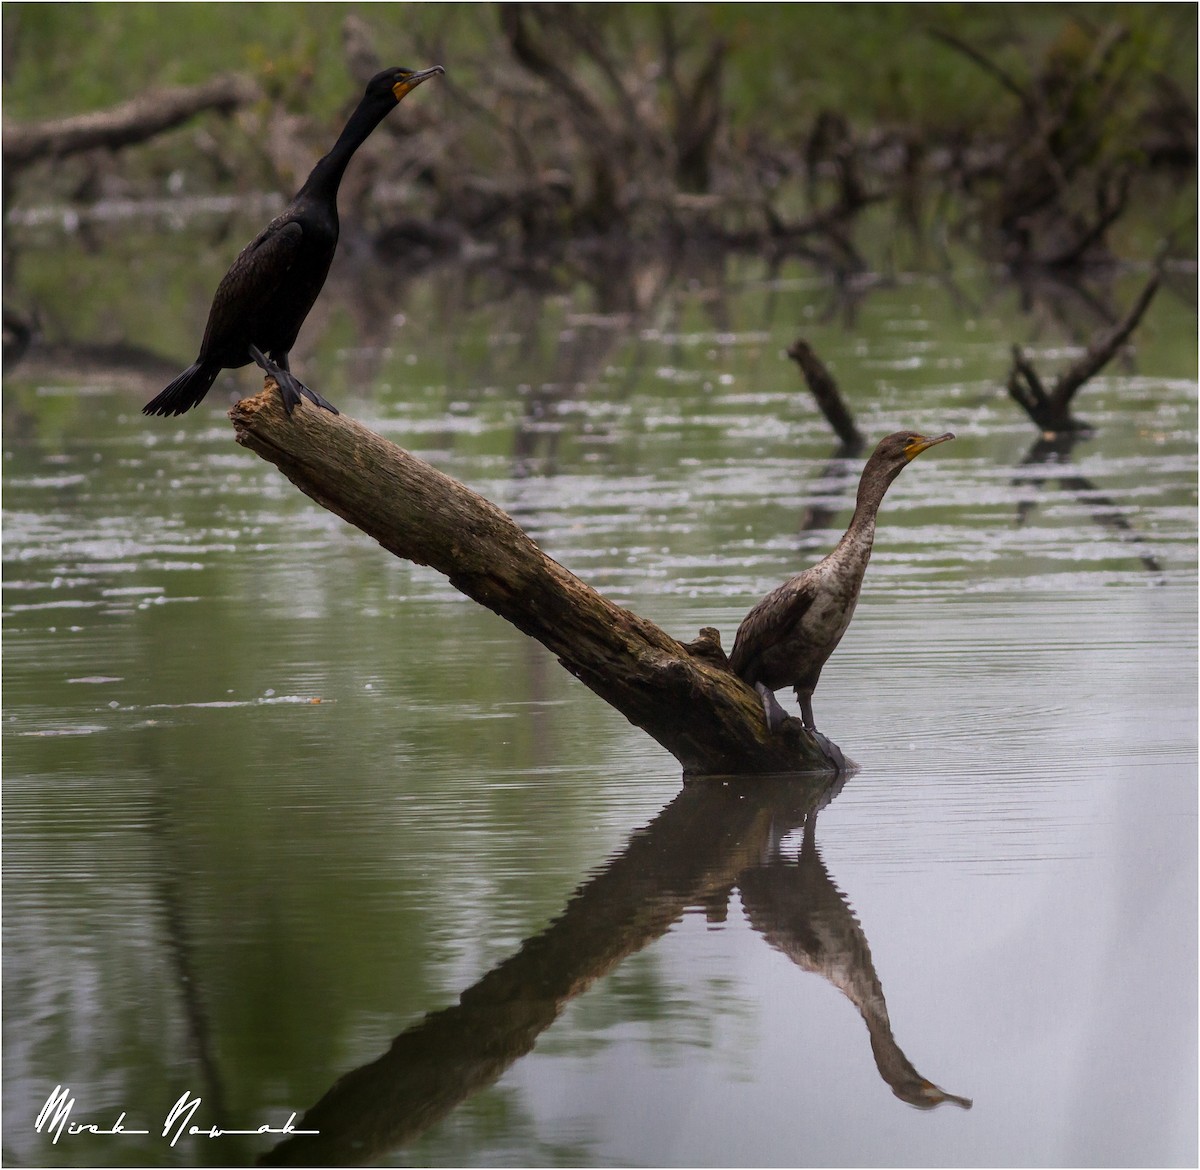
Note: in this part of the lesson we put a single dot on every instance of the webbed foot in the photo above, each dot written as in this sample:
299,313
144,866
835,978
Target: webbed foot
774,712
833,753
291,389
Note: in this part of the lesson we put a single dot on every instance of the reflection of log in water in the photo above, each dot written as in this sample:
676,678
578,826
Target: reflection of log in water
697,845
708,841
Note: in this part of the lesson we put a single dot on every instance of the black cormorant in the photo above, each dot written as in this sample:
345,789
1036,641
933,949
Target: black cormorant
263,299
789,635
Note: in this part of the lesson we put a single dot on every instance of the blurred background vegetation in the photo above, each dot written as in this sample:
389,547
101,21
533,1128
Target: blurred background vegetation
1027,128
874,62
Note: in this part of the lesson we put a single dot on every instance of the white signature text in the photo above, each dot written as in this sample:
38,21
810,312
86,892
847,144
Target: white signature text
55,1118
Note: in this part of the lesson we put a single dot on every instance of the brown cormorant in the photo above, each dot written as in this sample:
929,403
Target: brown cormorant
789,635
263,299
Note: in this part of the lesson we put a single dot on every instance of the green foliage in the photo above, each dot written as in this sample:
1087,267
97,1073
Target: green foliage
98,54
873,62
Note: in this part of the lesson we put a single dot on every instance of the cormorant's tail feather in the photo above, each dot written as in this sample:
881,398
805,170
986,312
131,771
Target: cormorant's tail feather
185,391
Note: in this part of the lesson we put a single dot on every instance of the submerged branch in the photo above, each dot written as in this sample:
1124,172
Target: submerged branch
1105,347
825,390
687,700
1051,409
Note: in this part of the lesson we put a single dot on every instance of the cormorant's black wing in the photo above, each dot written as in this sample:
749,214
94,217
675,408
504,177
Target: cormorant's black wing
252,281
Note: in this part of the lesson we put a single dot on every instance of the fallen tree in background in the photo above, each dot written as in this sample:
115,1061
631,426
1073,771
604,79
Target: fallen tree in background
560,125
132,122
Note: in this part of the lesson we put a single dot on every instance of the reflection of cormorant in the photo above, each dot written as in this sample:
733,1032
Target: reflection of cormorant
710,840
799,911
263,299
789,635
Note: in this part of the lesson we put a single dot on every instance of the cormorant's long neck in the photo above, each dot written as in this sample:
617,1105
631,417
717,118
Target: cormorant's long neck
871,489
327,175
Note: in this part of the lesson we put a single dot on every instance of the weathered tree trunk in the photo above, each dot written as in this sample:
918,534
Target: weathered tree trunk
683,696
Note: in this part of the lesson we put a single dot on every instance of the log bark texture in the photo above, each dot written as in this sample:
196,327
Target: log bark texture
683,696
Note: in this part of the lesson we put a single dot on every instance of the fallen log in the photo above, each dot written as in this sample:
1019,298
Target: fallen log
684,697
127,124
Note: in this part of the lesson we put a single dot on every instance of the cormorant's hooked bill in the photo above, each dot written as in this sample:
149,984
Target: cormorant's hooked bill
918,443
263,299
410,79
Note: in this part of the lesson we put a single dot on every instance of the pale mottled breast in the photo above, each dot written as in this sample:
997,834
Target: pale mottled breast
789,635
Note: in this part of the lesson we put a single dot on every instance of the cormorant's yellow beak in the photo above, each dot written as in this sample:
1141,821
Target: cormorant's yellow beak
414,79
920,443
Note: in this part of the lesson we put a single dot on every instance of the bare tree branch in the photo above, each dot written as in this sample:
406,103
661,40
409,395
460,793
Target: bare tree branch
131,122
1102,350
1051,410
825,390
986,64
